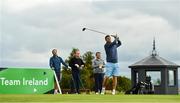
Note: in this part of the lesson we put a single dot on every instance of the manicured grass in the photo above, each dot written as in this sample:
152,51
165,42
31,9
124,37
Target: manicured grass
91,98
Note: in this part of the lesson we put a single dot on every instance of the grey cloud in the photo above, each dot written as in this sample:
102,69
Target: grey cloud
168,9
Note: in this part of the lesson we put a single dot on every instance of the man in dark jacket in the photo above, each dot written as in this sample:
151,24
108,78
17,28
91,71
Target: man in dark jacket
55,63
112,67
76,64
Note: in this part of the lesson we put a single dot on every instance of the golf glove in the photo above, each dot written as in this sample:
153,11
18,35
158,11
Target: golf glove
77,65
82,66
52,68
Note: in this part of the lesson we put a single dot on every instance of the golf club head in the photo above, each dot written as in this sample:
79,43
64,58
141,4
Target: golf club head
83,29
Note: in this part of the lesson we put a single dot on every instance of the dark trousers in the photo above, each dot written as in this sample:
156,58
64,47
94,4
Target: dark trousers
98,81
75,82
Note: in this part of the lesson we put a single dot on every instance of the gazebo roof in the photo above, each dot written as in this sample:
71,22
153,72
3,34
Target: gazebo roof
154,61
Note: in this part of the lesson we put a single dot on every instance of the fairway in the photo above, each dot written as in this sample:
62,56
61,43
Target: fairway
91,98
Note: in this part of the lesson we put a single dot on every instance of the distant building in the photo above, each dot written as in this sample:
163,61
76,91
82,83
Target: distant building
163,73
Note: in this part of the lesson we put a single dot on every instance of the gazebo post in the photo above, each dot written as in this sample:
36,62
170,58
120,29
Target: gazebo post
133,78
164,81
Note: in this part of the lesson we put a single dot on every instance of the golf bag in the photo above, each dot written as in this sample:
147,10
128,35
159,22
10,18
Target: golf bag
137,89
149,87
142,87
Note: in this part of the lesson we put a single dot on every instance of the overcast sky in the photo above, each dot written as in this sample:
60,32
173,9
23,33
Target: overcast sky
30,29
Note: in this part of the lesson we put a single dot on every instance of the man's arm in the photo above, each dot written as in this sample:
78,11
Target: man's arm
118,43
50,63
62,61
111,44
94,65
71,64
103,64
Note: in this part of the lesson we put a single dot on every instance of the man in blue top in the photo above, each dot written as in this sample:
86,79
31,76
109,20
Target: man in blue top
112,67
55,64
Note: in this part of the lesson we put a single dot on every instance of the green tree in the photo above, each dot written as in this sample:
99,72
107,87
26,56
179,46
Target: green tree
87,73
124,84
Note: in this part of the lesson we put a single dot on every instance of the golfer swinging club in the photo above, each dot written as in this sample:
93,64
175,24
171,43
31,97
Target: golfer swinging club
55,64
112,68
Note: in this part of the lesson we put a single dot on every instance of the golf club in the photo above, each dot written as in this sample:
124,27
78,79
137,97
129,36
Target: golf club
57,82
94,31
81,83
75,83
80,68
98,32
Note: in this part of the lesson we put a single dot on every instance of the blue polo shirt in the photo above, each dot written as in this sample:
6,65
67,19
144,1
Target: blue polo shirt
55,62
111,51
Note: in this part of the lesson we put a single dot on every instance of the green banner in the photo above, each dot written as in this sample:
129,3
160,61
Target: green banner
26,80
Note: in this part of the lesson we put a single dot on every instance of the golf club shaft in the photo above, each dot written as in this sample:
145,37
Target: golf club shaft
81,83
96,31
57,82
